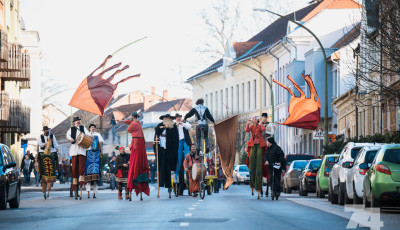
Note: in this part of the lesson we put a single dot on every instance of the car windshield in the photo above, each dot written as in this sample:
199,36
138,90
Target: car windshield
392,155
370,155
354,152
314,164
299,164
330,162
291,158
243,169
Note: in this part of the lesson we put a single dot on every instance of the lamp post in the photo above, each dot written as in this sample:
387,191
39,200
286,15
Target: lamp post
265,78
326,69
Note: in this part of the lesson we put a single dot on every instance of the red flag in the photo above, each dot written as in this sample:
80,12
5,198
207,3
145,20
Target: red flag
303,112
94,93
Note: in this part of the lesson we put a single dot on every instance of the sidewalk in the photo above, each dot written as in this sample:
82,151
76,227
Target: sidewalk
56,187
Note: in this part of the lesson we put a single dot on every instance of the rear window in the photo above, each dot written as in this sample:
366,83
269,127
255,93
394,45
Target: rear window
314,164
370,155
243,169
354,152
291,158
330,162
299,164
392,156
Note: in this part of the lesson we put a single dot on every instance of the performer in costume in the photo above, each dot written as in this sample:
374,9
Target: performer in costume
190,159
78,154
183,149
48,158
92,166
122,165
268,132
167,133
138,175
257,143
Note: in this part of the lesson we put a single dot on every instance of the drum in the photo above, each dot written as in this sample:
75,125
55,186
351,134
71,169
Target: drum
84,141
196,171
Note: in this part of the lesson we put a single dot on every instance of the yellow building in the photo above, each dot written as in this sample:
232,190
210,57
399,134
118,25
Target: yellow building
14,77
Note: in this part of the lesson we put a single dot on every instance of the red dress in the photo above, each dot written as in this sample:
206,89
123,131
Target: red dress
138,176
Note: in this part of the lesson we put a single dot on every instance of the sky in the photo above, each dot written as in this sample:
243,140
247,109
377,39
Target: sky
76,36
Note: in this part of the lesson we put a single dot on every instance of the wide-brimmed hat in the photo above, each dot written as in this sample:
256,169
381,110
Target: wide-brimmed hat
271,140
76,119
134,113
177,115
92,125
264,115
45,128
167,116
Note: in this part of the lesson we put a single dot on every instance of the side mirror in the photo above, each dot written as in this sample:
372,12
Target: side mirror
11,165
347,164
364,166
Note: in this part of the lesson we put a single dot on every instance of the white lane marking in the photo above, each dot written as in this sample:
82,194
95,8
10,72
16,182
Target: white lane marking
184,224
188,214
201,200
195,205
191,208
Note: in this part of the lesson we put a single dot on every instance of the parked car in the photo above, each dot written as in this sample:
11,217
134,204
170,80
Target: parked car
382,181
355,177
291,178
289,158
10,182
338,174
241,174
323,174
307,177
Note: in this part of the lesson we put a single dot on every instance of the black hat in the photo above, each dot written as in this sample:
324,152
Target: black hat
271,140
92,125
135,114
177,115
76,119
45,128
167,116
264,115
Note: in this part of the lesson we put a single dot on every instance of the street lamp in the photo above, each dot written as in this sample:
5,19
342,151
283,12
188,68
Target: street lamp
265,78
326,69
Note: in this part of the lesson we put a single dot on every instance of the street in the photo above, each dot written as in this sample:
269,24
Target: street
232,209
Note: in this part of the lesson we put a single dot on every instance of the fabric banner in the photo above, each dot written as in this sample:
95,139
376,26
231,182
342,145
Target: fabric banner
92,165
226,133
47,168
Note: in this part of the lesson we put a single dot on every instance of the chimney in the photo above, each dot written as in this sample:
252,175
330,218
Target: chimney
165,95
153,90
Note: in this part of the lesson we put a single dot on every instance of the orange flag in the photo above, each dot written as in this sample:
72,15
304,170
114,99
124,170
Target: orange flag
94,93
303,112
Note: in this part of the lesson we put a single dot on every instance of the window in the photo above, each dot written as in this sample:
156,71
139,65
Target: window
216,103
255,94
243,100
248,96
237,98
226,100
231,105
221,106
5,156
211,101
264,93
335,89
206,100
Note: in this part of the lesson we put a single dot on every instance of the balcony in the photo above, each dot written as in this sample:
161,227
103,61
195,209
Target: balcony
4,106
19,118
17,66
3,47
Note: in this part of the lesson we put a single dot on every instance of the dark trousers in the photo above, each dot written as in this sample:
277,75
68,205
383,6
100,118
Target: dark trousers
27,176
276,178
153,176
165,169
198,135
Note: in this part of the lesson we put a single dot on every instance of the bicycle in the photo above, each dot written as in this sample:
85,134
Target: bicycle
274,188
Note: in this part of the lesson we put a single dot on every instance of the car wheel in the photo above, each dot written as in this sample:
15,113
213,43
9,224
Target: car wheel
375,203
356,199
334,197
3,197
341,194
288,190
320,194
301,191
347,200
366,203
14,203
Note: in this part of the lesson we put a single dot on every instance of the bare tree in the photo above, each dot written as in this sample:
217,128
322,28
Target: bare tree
50,89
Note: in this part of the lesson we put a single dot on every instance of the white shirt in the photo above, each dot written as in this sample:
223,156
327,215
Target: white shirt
98,136
43,144
163,140
185,125
75,149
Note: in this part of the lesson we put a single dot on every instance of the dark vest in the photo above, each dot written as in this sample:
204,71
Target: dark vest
187,137
73,132
43,140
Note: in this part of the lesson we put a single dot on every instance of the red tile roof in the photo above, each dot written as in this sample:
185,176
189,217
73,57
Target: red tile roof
332,4
183,104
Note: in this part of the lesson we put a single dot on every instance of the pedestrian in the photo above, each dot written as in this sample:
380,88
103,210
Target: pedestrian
122,166
203,115
256,158
138,178
78,154
67,171
190,160
153,169
167,134
61,172
183,149
267,133
92,165
36,166
48,158
112,170
26,166
274,156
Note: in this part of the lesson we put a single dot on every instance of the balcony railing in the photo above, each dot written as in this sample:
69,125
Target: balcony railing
4,106
3,47
20,61
19,118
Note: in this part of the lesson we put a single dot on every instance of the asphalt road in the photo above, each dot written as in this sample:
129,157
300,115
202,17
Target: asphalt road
232,209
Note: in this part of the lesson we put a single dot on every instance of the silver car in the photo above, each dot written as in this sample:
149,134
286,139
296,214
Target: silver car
241,174
291,178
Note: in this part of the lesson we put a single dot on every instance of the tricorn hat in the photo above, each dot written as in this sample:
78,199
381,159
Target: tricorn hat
76,119
167,116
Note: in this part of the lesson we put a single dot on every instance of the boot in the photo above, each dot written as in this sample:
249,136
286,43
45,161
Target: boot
258,197
195,194
169,192
44,194
119,195
88,195
94,195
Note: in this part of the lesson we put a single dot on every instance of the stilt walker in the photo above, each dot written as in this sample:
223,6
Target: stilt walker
78,154
158,178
